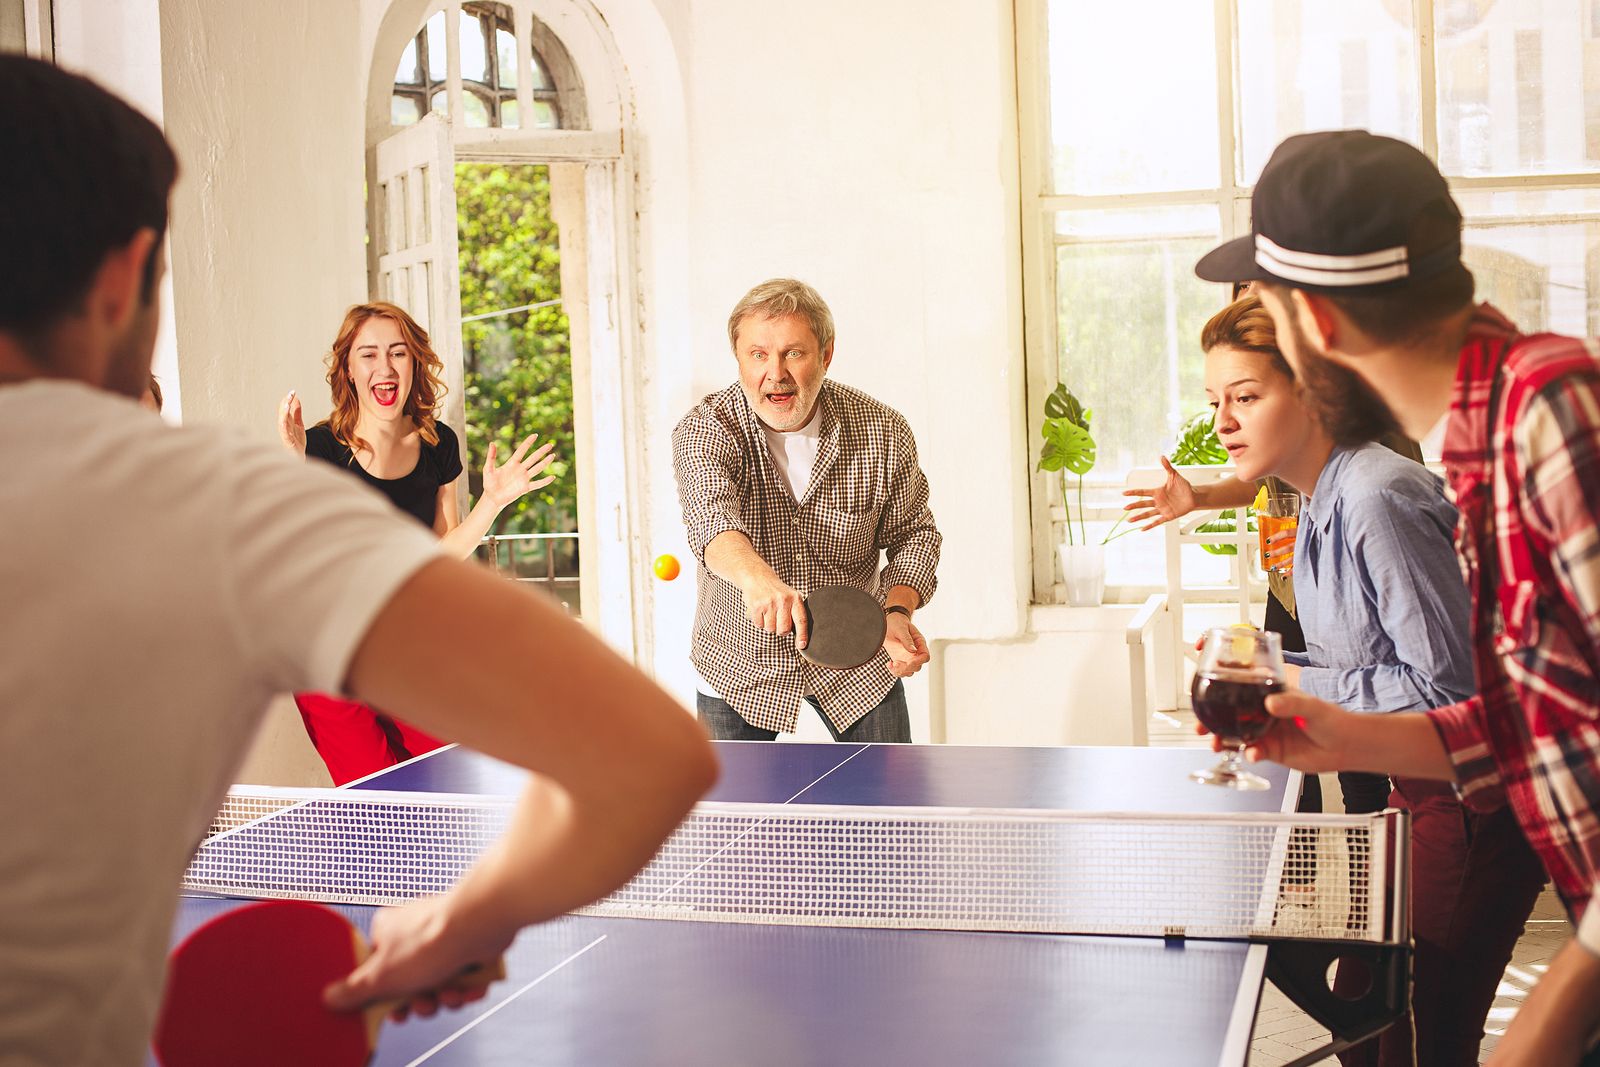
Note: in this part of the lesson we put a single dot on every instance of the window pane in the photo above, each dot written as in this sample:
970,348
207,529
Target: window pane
1129,309
544,116
1543,273
541,76
406,72
436,49
505,47
1519,88
510,118
403,110
1133,96
474,50
1311,65
477,111
441,102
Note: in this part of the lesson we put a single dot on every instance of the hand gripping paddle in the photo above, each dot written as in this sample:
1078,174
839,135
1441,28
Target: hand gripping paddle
245,989
845,627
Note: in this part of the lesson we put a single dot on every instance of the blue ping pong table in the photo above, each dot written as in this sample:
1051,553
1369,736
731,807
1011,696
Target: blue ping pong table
611,991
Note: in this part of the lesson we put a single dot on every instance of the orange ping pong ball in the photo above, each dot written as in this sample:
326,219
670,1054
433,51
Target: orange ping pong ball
666,567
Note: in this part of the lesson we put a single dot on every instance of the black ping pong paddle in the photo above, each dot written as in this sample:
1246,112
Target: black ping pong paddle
845,627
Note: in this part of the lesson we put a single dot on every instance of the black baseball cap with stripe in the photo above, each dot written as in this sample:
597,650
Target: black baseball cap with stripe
1335,211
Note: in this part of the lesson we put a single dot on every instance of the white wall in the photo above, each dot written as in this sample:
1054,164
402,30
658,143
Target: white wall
119,45
263,104
870,150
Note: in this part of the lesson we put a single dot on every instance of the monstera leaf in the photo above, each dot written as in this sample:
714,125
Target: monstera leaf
1061,404
1067,446
1197,443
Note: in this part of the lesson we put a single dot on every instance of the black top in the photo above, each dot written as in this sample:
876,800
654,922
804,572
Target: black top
417,494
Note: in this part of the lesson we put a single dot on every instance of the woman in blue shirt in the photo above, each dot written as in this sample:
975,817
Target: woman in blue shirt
1386,619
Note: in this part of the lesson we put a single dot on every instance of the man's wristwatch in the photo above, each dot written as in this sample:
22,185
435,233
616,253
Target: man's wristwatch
897,609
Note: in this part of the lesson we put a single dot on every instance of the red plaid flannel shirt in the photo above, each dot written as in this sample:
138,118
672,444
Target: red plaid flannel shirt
1523,458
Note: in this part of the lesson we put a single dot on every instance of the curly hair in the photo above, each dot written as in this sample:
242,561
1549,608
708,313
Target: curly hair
427,385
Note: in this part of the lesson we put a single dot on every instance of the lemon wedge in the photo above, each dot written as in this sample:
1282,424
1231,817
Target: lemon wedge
1243,643
1260,502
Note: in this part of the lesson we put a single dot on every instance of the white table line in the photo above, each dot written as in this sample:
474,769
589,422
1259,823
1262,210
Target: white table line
447,1041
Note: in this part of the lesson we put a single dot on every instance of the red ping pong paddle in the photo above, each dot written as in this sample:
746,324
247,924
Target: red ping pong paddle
246,988
845,627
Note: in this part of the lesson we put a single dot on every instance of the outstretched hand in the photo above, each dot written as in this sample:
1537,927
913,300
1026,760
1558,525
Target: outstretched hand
517,476
1172,499
291,424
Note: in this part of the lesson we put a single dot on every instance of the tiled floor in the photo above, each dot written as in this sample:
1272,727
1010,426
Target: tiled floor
1283,1032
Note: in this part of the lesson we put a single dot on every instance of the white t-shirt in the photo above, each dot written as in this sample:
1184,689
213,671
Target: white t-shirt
158,586
795,453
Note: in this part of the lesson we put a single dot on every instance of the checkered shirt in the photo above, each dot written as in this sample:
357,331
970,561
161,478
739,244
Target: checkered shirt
1525,469
867,495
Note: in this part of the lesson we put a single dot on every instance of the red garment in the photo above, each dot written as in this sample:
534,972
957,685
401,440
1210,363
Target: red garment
1473,883
354,740
1526,477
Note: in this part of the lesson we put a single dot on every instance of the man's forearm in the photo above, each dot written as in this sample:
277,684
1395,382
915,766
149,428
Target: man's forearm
1403,743
731,557
1560,1016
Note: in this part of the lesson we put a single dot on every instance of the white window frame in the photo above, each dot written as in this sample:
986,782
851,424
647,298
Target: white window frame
615,578
1232,200
38,29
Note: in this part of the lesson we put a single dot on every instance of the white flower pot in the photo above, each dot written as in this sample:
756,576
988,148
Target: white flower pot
1083,569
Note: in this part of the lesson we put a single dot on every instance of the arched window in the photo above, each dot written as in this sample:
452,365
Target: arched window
492,64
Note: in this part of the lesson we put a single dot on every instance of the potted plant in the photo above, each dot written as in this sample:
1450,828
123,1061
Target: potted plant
1198,446
1069,446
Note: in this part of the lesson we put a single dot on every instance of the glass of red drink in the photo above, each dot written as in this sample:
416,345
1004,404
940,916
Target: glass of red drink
1239,669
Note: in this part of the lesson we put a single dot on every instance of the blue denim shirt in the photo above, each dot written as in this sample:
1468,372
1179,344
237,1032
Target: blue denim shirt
1381,599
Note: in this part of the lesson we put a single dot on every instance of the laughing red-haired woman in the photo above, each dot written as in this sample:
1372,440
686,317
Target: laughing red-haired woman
384,429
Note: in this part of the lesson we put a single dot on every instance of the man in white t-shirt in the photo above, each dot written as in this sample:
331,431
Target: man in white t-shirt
790,482
161,584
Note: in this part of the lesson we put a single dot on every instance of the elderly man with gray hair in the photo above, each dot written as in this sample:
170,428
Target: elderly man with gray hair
790,482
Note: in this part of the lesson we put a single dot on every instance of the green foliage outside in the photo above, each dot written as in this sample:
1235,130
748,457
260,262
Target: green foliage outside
1129,315
518,366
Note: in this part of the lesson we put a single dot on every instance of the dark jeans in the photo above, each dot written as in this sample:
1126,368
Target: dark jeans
1473,883
889,722
1364,793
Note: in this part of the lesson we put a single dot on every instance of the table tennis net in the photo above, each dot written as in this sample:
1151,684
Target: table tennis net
1236,876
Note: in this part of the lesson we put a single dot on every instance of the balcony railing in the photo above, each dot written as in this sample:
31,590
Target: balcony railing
548,560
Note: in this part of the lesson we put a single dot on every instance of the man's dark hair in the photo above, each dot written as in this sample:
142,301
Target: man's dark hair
1403,313
82,173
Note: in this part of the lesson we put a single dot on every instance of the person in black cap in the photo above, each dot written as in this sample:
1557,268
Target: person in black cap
1356,246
